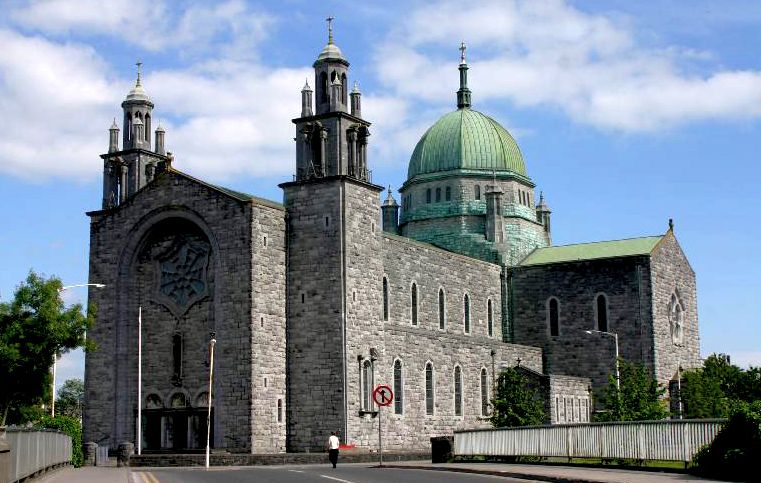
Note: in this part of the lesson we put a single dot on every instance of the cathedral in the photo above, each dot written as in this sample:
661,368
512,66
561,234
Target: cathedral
316,300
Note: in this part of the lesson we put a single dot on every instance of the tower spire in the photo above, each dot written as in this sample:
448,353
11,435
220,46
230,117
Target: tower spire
330,28
463,94
139,64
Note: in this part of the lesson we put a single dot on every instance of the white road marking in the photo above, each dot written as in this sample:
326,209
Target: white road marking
336,479
296,471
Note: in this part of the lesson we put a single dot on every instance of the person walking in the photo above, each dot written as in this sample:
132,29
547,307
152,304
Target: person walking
333,444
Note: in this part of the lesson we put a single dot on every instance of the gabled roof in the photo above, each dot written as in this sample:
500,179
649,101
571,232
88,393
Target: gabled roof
592,251
232,193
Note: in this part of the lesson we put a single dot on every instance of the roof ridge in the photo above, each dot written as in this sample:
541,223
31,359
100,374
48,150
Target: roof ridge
603,241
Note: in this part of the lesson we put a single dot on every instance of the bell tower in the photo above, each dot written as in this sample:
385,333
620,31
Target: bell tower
130,168
331,139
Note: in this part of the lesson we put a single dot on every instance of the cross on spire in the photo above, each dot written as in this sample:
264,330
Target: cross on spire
462,52
330,28
138,64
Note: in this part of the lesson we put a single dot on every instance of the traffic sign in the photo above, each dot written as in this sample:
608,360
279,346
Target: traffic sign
382,395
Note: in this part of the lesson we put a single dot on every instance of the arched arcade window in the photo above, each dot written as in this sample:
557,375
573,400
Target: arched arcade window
553,309
602,313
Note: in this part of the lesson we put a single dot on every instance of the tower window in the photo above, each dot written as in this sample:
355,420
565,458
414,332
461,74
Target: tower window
442,310
398,388
489,318
457,391
477,190
484,393
438,195
413,300
429,395
448,194
279,410
385,298
602,313
466,313
323,94
428,195
554,316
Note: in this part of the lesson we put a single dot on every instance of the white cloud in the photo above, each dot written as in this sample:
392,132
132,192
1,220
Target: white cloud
551,54
230,28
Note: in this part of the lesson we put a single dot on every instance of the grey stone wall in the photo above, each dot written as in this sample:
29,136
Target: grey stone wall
268,322
569,399
405,261
315,310
626,284
119,260
672,275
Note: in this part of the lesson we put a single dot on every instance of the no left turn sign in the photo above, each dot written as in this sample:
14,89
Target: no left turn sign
382,395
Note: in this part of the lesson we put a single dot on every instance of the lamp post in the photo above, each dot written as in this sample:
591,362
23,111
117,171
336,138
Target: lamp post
615,338
212,343
55,356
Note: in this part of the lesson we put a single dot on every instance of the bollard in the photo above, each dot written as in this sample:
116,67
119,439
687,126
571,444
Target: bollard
89,449
125,451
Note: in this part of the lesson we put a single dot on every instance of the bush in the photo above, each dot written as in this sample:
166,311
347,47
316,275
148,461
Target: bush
736,451
70,426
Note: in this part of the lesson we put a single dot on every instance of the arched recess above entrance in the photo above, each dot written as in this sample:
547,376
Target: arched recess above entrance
135,286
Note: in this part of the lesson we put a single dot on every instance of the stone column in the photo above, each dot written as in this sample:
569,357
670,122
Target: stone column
494,222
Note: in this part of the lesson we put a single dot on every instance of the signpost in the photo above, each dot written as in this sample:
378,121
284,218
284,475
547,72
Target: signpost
383,396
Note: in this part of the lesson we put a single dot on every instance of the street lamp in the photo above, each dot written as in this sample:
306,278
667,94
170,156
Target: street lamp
55,356
615,338
212,343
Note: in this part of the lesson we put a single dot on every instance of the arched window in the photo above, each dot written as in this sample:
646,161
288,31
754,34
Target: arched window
398,388
602,313
553,308
484,393
385,298
489,318
448,194
179,400
429,396
428,195
438,195
466,313
279,410
477,189
367,385
343,88
413,299
153,401
323,89
676,319
442,310
457,391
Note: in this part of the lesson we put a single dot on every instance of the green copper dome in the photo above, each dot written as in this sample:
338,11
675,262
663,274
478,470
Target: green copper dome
466,140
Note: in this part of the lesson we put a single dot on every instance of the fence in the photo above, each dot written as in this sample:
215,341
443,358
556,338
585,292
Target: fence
676,440
34,450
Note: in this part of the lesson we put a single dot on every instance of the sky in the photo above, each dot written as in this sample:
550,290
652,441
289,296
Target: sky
627,114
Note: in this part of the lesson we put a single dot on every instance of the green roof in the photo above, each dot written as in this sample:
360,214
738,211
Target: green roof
466,139
592,251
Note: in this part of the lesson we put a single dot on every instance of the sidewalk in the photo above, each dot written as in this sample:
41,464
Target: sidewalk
552,473
87,474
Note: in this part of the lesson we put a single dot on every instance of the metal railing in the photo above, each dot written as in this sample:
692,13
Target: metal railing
676,440
33,450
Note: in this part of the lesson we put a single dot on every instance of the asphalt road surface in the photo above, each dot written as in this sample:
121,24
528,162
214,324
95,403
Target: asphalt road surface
349,473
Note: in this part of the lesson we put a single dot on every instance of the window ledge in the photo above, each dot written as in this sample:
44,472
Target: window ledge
363,412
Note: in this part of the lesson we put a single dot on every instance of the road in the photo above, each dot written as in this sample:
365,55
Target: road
349,473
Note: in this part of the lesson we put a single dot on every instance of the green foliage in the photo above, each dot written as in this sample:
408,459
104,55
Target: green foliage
709,391
34,326
517,402
71,398
639,399
736,451
70,426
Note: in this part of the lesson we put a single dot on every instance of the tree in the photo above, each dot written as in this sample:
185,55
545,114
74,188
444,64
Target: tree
517,402
34,326
71,398
639,398
710,391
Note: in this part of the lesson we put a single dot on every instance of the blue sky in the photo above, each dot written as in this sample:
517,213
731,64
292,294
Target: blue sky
627,113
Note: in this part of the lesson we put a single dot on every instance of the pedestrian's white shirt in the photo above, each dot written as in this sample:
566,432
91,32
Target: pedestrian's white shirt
333,442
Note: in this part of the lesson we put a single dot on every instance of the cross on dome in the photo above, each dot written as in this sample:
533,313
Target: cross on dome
462,52
330,28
